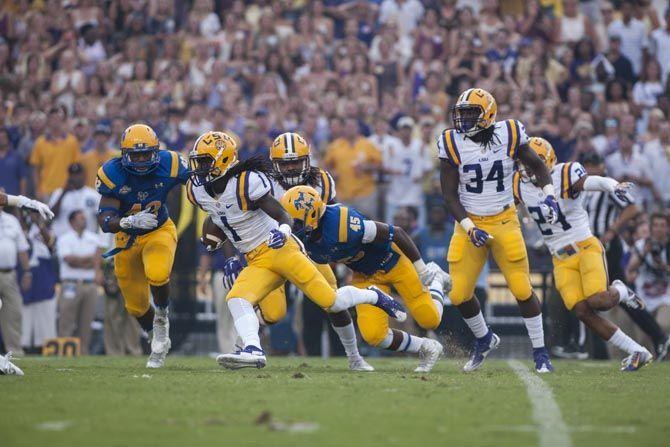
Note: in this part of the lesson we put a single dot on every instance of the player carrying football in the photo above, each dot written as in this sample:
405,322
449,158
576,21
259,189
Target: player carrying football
380,255
134,189
476,170
238,197
580,271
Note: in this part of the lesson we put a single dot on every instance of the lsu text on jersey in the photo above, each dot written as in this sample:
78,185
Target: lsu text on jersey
143,257
485,190
580,269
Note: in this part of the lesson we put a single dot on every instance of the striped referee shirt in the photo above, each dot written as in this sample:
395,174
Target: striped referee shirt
603,209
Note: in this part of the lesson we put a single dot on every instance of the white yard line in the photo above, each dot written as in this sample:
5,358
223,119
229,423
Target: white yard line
552,431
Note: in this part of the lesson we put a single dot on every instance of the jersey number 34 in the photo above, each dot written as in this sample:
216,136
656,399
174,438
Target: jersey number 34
476,184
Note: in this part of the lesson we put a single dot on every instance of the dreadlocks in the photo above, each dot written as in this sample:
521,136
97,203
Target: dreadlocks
257,163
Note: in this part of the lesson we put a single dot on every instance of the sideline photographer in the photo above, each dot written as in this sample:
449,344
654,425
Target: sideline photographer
650,271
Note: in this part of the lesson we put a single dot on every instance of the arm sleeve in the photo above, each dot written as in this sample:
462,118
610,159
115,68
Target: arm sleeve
523,136
446,148
598,183
103,184
183,172
369,231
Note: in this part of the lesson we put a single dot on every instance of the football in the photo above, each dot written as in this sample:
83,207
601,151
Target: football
212,236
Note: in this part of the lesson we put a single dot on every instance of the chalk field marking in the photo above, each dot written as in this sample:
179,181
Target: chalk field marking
552,431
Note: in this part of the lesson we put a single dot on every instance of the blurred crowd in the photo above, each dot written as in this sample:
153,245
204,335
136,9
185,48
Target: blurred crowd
367,83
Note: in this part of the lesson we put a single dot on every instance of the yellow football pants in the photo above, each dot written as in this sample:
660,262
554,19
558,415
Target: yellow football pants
147,262
267,269
583,274
509,251
373,322
273,307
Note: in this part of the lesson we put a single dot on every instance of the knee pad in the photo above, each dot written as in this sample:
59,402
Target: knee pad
520,287
427,315
373,335
157,274
135,310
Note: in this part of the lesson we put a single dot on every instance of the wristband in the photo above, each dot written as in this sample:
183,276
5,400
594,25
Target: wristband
419,265
467,224
549,190
285,229
12,200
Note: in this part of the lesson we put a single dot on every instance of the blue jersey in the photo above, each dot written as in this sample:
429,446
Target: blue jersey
342,241
138,192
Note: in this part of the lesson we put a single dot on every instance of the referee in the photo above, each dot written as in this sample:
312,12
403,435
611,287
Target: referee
608,216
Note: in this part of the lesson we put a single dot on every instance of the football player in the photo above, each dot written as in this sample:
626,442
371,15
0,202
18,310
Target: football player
7,367
134,189
27,204
477,165
291,165
580,272
238,197
380,255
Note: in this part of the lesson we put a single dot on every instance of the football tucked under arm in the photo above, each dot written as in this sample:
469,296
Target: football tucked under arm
213,237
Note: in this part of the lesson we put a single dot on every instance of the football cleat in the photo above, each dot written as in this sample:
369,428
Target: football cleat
483,346
358,363
160,342
442,276
157,359
249,357
7,367
571,351
542,360
636,361
631,301
429,353
389,305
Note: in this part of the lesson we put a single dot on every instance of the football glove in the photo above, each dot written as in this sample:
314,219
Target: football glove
623,192
34,205
231,270
478,236
551,208
144,220
279,236
426,274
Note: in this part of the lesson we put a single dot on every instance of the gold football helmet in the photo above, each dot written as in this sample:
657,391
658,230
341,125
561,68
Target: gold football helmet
305,206
475,110
139,149
544,150
213,154
290,158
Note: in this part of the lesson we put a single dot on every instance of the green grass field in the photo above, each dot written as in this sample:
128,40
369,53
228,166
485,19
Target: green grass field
294,402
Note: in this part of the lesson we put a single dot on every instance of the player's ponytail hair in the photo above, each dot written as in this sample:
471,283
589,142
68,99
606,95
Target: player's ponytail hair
256,163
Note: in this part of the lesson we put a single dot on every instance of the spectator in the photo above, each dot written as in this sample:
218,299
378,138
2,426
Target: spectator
98,155
53,153
660,46
574,25
39,301
616,64
630,165
12,166
79,253
406,167
657,152
122,331
13,247
649,268
354,162
647,90
632,34
75,196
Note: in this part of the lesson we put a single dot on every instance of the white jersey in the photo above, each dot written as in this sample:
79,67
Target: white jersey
573,221
319,179
234,211
485,174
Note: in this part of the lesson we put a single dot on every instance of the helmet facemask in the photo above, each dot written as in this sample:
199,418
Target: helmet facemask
140,161
292,172
468,118
202,169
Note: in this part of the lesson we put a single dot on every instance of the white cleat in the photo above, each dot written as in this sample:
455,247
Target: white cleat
7,367
442,276
631,301
160,341
429,353
359,364
249,357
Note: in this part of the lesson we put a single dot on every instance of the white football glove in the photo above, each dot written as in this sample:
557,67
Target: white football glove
144,220
426,274
33,205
